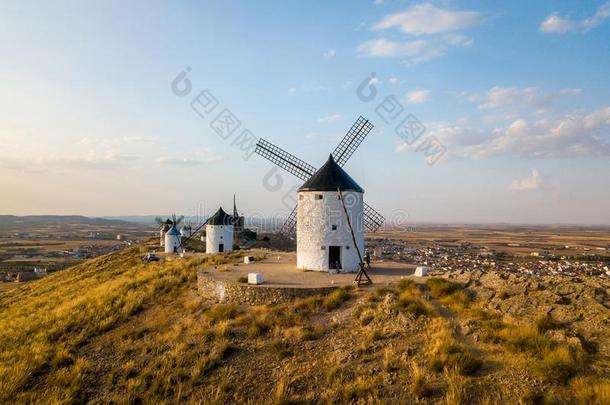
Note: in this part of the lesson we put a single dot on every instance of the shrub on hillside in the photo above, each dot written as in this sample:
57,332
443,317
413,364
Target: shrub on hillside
440,287
336,298
559,365
411,302
221,312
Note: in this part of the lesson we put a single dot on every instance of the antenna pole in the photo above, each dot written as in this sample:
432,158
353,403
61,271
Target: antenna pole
361,273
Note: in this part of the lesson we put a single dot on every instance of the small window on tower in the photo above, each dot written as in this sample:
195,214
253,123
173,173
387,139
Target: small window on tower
347,248
323,247
318,196
301,197
334,227
221,237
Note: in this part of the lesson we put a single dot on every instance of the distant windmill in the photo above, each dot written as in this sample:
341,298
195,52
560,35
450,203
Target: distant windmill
166,225
304,171
220,229
173,242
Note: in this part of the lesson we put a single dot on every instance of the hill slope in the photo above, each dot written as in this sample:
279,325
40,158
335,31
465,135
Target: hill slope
117,330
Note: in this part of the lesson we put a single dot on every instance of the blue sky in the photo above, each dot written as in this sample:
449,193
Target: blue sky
517,93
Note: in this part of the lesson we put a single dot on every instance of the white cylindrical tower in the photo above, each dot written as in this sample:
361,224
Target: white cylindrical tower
219,233
324,237
172,240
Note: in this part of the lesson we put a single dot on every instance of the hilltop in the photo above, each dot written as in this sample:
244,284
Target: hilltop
114,329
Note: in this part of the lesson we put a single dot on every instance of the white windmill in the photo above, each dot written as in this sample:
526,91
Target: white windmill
323,234
166,225
219,232
173,241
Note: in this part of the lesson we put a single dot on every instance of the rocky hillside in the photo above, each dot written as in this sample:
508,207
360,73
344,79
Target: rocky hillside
117,330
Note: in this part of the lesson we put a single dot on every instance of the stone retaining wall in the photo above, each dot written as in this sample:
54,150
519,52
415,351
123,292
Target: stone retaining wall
238,293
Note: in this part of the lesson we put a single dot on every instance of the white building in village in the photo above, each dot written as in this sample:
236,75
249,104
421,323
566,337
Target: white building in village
172,240
324,238
219,233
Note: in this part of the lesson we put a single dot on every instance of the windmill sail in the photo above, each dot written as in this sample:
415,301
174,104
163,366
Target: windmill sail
289,229
372,219
352,140
303,170
285,160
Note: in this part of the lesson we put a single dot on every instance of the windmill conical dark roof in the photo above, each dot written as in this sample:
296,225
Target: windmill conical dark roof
220,218
173,231
331,177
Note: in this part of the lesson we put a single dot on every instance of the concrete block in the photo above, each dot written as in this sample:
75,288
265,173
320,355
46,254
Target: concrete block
421,271
248,259
255,278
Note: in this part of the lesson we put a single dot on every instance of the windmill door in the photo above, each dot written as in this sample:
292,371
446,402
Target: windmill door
221,247
334,257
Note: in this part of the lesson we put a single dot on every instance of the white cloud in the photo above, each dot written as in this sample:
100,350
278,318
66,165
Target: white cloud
331,53
597,118
428,19
550,137
393,80
330,119
374,81
411,52
418,96
503,97
556,24
117,141
603,12
89,161
571,92
199,157
528,183
311,87
514,98
559,25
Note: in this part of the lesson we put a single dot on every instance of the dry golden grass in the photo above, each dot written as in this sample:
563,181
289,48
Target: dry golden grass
591,390
116,330
45,323
560,364
336,298
419,385
390,360
525,339
456,388
440,287
446,352
410,301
